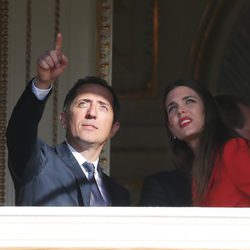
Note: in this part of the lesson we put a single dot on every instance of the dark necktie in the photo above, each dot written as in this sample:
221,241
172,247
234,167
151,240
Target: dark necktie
96,198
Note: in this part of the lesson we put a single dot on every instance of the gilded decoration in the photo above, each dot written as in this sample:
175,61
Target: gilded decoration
104,60
55,90
4,8
104,32
28,38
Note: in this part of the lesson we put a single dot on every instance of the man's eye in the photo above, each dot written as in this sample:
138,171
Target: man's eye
83,104
103,108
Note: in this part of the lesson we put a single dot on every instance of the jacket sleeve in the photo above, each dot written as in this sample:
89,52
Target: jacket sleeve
21,133
166,189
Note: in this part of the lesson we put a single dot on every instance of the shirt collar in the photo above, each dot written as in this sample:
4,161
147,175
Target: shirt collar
81,159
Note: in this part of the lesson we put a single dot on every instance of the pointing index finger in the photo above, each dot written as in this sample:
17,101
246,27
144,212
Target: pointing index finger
58,44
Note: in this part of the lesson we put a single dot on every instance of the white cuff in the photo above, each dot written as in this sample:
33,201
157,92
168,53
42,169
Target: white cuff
40,93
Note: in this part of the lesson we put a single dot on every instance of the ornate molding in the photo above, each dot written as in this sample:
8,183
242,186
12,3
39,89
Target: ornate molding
28,38
104,56
4,8
104,39
55,90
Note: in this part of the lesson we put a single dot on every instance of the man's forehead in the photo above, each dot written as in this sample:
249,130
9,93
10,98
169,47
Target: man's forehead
90,89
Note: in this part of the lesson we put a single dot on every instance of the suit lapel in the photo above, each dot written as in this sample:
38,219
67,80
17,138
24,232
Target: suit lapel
72,164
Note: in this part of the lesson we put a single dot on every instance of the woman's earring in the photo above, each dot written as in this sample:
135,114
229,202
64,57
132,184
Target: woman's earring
174,137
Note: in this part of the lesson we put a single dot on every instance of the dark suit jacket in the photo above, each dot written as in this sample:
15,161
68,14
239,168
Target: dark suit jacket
45,175
166,189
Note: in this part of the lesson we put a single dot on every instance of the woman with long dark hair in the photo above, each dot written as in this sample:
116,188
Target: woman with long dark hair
217,158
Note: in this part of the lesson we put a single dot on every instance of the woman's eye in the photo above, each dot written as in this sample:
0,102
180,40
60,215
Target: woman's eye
171,109
189,101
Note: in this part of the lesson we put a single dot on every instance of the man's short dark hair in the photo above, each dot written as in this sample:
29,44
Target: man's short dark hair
92,80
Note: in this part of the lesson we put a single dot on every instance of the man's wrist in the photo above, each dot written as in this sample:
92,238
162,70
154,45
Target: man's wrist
40,93
41,84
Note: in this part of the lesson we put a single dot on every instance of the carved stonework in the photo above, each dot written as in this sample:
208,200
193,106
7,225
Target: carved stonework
56,90
104,58
4,8
104,32
28,38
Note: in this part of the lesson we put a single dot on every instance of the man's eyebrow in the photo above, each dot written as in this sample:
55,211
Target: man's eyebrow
77,101
106,103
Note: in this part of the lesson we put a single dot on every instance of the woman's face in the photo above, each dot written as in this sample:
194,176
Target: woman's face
185,112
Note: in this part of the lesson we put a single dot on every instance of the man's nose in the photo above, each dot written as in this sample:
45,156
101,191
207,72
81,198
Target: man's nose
91,112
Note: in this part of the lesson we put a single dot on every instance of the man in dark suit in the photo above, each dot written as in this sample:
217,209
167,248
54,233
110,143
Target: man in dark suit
56,176
166,189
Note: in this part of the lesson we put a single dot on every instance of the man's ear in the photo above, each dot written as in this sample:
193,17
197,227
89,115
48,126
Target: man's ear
63,119
114,129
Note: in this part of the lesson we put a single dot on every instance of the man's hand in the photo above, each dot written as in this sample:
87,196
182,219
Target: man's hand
51,65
